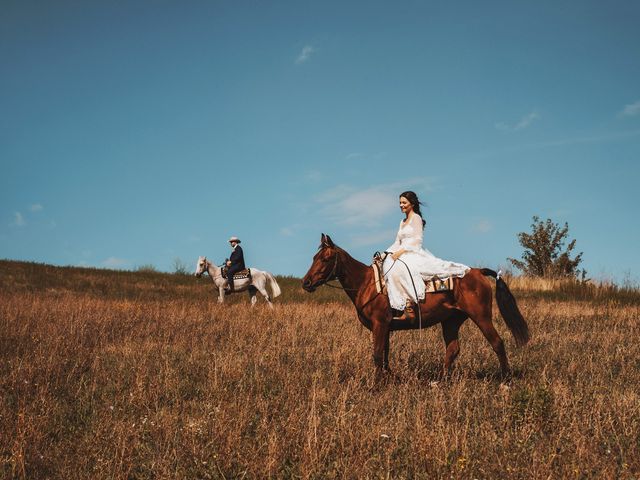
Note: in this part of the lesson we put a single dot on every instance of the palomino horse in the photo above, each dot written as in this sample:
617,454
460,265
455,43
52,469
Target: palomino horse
257,282
470,298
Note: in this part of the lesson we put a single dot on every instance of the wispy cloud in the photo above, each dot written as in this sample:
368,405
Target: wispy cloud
607,137
313,176
286,231
36,207
482,226
348,205
18,220
305,54
114,262
374,238
630,110
524,122
362,155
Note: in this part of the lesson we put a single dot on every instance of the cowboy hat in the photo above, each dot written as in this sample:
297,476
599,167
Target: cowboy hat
234,239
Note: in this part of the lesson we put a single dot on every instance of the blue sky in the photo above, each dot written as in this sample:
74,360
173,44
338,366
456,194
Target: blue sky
135,133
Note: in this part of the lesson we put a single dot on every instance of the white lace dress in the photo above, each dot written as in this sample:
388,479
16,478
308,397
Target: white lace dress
422,265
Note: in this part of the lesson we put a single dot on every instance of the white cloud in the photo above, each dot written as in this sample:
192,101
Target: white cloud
305,54
524,122
18,220
382,238
608,137
631,109
313,176
347,205
363,155
114,262
36,207
286,231
482,226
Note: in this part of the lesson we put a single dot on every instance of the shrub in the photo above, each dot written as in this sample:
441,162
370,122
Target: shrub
545,255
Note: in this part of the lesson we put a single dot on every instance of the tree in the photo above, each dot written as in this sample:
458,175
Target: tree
544,254
179,267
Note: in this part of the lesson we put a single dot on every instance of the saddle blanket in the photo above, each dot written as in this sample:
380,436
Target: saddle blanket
242,274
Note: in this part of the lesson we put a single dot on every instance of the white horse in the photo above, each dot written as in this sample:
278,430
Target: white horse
257,282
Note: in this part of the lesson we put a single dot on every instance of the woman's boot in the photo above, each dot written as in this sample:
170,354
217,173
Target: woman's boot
409,313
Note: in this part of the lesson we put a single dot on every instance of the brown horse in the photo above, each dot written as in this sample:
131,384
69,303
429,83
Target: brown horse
470,298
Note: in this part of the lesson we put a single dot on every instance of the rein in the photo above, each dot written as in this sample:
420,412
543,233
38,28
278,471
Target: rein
209,264
332,276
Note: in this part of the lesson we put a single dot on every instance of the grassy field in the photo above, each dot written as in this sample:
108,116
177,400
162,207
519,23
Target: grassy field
110,374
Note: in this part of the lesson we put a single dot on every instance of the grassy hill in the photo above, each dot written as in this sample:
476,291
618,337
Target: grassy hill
112,374
150,285
141,285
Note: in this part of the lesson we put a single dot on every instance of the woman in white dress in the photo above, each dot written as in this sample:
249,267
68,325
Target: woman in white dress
408,264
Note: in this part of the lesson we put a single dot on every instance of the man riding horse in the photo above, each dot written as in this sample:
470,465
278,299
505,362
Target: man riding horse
235,263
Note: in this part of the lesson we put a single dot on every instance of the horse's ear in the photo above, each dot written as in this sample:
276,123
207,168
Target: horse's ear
328,241
323,239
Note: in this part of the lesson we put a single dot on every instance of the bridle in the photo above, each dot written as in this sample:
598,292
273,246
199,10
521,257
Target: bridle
333,275
207,264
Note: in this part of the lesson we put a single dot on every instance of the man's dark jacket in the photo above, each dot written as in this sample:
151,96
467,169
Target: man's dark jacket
237,260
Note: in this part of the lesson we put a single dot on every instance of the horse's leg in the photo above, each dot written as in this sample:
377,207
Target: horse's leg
252,295
385,360
488,330
262,288
220,294
380,345
450,329
475,298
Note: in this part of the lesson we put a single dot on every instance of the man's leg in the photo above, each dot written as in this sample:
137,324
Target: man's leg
230,274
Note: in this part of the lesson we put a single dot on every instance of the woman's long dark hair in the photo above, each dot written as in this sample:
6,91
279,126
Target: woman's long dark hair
415,203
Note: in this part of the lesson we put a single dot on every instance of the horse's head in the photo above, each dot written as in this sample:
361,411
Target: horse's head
201,266
324,266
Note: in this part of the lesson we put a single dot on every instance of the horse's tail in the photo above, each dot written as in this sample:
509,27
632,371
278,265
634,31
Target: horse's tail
509,308
273,285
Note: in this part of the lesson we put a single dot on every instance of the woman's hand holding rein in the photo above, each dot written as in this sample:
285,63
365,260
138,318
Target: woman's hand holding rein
396,255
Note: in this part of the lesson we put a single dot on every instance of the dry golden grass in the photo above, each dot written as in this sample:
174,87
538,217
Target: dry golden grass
97,384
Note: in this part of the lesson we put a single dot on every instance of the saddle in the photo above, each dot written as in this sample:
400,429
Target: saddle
241,275
434,285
